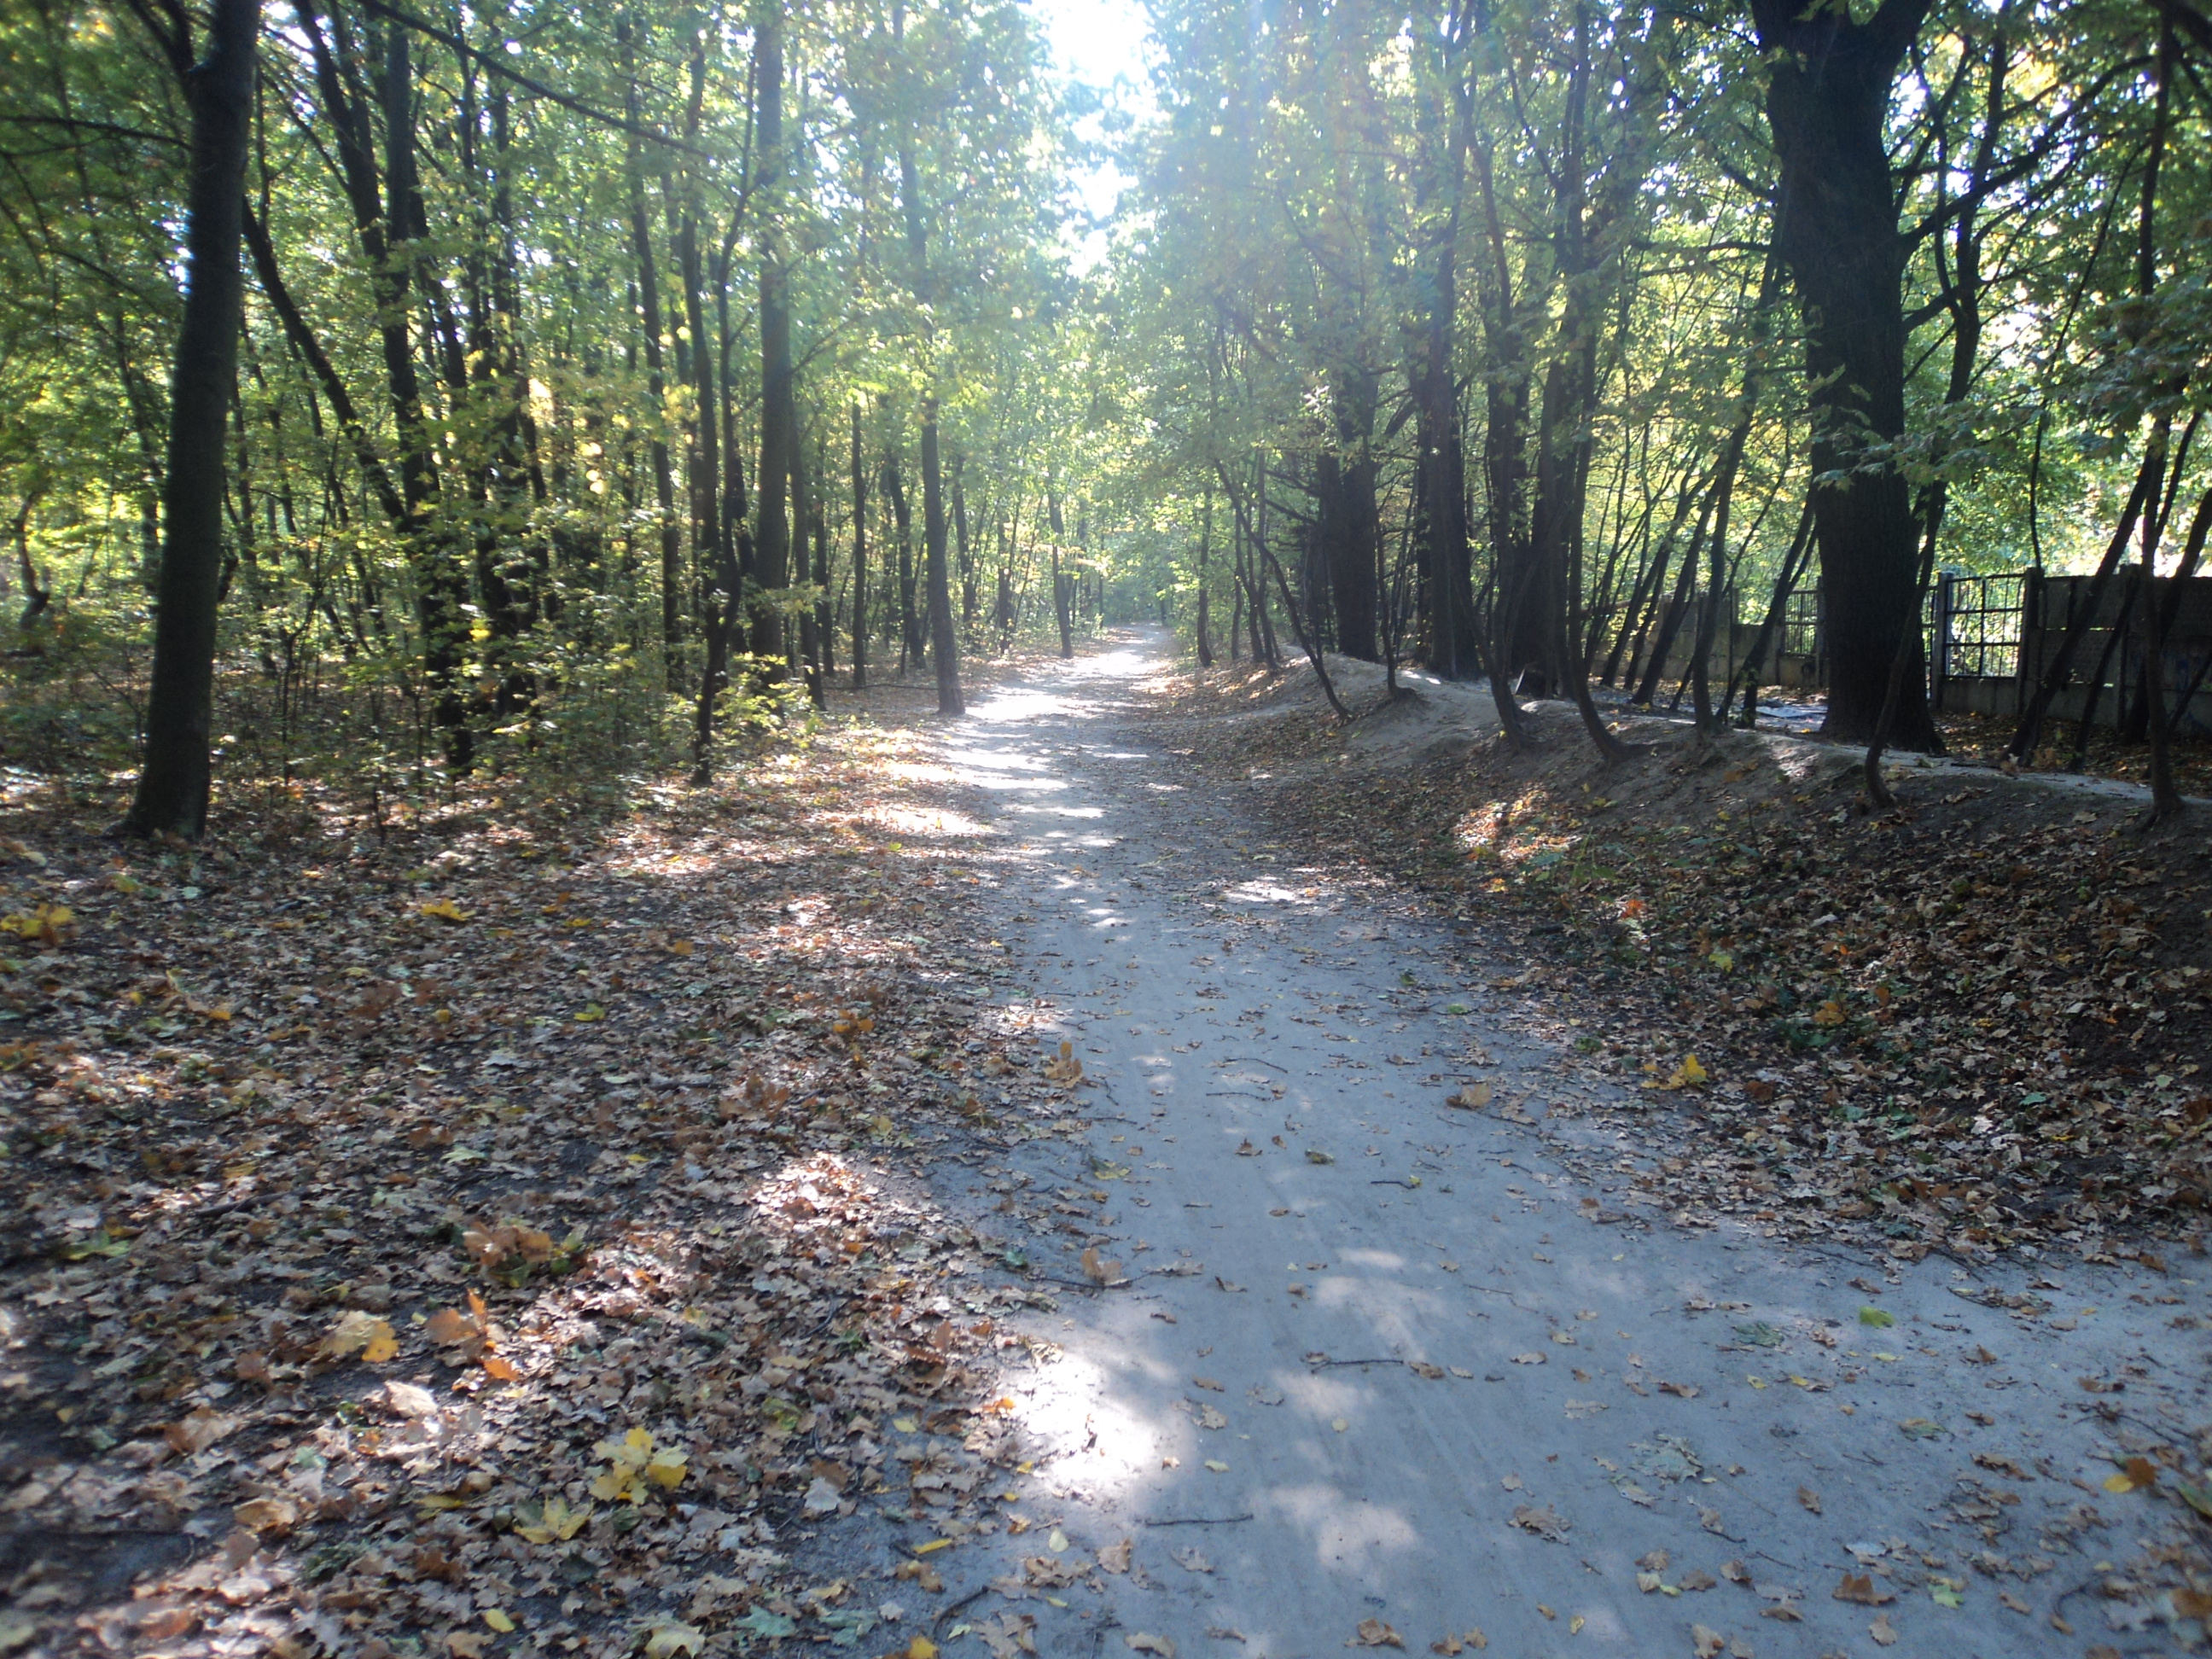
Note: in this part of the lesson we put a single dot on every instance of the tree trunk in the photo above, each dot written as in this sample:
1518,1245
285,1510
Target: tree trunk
173,782
1349,526
648,300
1205,546
903,521
860,560
779,400
1836,228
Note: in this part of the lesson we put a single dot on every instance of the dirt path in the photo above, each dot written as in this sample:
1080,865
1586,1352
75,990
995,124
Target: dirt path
1384,1360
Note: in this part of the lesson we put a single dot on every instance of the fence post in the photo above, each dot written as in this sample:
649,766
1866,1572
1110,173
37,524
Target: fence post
1939,657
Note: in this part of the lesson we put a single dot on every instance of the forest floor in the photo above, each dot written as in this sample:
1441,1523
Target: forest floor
1092,1175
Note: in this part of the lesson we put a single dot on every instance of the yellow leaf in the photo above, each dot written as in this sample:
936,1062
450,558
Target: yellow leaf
666,1470
444,910
500,1370
934,1544
1831,1012
498,1620
672,1639
679,947
555,1521
356,1332
921,1648
589,1013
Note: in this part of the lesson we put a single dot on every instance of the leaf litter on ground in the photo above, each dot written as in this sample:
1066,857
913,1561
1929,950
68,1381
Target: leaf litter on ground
506,1214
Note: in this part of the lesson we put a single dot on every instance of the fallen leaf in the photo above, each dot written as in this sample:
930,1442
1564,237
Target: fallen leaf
1114,1557
1143,1642
359,1332
1545,1522
197,1429
267,1514
1191,1558
1374,1633
1861,1587
1883,1630
1809,1498
553,1521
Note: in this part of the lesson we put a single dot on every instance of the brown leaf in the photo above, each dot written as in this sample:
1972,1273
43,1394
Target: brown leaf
1114,1557
197,1429
1809,1498
1545,1522
1883,1630
1861,1587
1374,1633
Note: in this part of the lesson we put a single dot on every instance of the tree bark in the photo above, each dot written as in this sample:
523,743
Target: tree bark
779,398
1836,226
174,780
860,560
648,300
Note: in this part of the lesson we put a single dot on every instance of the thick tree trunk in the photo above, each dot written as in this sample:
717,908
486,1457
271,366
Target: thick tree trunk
1836,228
174,780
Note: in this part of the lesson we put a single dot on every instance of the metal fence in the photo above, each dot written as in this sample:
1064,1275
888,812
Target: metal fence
1977,625
1801,623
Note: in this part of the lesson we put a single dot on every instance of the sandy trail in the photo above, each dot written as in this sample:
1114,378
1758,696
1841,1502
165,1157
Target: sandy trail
1368,1331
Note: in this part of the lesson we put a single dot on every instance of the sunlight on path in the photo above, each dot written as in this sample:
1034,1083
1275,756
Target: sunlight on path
1380,1359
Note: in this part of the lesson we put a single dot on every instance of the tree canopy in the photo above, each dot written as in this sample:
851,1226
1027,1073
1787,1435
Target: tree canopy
603,378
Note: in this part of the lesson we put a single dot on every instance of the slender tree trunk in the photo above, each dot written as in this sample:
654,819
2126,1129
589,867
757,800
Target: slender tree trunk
860,560
902,520
772,536
810,645
1205,546
648,300
177,774
826,613
971,598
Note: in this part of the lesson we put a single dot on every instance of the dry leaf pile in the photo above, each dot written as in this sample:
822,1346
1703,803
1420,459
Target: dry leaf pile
492,1234
1978,1023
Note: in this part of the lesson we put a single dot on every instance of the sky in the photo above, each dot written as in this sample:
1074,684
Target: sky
1099,42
